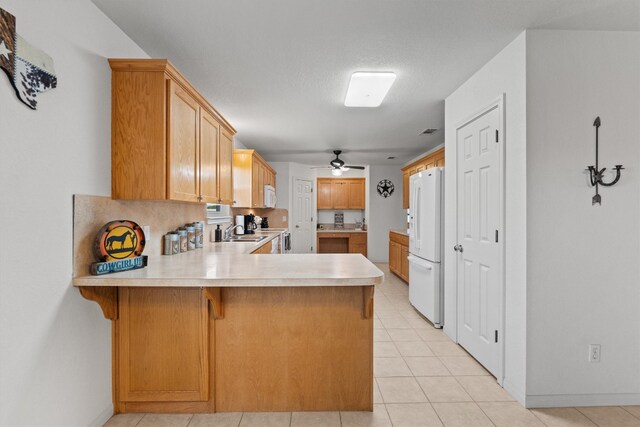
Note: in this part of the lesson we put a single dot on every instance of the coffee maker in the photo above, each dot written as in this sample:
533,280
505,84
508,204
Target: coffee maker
250,224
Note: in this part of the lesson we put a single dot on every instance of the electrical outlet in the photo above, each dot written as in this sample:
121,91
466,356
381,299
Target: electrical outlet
146,229
284,218
594,353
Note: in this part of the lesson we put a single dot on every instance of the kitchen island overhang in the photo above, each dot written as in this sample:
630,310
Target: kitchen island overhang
210,331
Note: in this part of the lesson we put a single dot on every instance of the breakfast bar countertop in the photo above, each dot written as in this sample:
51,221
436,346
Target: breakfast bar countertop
231,264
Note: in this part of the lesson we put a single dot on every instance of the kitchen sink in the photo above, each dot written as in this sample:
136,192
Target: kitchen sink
246,238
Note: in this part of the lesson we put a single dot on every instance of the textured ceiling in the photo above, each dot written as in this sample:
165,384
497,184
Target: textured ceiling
278,70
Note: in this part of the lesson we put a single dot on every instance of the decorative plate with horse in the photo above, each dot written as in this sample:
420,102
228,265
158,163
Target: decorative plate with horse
119,240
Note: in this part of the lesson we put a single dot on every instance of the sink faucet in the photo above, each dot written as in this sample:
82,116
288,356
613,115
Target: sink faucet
229,230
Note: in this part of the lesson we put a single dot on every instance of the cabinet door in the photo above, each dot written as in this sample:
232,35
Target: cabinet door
256,178
324,194
183,140
225,168
163,341
394,257
356,194
429,164
405,190
209,131
404,262
261,186
420,168
340,194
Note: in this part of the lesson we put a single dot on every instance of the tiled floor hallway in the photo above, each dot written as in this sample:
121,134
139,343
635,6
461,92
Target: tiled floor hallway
422,378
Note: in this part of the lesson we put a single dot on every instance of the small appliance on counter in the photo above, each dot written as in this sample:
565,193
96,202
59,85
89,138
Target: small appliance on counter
250,224
240,221
265,222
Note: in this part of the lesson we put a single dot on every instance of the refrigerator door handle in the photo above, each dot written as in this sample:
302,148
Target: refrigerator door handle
419,262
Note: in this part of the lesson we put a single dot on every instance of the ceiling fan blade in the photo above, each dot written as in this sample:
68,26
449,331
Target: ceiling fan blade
321,167
354,167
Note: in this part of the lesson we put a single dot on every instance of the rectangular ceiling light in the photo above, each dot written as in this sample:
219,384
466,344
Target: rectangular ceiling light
368,89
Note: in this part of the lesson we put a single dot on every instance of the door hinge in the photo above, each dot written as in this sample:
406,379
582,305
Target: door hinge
496,135
496,236
496,338
311,219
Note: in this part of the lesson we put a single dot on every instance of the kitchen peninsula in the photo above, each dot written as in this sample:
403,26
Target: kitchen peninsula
220,329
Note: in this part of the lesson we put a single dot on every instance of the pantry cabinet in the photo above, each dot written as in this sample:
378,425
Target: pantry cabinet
435,159
167,141
342,194
250,174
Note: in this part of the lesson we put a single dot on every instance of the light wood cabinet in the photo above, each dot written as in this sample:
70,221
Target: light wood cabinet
163,340
264,249
342,242
340,194
324,194
356,194
398,255
435,159
250,174
167,141
343,194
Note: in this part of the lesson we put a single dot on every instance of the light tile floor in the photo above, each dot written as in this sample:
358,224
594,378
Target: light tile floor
422,378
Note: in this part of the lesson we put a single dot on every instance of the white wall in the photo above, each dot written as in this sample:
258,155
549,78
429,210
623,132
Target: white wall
583,272
55,362
385,214
506,74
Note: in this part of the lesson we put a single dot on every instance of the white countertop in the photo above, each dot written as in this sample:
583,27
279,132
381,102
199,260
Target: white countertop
231,264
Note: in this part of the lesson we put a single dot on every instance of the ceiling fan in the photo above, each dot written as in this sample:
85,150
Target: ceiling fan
337,165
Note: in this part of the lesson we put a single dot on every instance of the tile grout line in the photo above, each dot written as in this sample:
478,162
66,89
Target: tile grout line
632,414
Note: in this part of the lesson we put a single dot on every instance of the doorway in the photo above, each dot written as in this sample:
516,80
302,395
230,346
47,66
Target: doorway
302,216
480,236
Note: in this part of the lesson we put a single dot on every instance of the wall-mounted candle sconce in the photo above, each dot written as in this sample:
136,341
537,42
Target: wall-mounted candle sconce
596,174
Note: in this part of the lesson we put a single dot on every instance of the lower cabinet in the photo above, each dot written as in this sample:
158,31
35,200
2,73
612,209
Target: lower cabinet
342,243
264,249
398,255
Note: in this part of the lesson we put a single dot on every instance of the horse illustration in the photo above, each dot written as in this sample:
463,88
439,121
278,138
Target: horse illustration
121,239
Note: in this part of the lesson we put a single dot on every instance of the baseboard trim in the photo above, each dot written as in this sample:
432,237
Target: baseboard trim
514,391
564,400
103,417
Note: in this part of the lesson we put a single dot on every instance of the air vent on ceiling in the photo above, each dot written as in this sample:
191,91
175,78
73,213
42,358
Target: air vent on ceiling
428,131
391,157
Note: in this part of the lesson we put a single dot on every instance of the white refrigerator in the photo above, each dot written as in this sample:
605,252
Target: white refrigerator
426,202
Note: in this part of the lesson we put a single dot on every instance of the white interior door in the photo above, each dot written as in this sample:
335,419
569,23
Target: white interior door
302,231
478,232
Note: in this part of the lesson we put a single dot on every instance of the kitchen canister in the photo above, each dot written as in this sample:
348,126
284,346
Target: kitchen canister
175,242
166,248
199,235
191,237
182,232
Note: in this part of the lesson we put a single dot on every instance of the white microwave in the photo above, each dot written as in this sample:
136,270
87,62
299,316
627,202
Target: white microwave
269,196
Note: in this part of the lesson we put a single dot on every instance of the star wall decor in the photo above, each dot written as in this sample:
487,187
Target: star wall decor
29,69
385,188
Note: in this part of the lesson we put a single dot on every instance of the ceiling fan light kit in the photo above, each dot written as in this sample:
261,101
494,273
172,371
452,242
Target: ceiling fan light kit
337,165
368,89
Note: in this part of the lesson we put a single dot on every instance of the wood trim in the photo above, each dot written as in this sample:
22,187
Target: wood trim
106,297
164,65
214,296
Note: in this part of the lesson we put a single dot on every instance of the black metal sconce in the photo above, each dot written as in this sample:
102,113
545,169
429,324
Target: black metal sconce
596,174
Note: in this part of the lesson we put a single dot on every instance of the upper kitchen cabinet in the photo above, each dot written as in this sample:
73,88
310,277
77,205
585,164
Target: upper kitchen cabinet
250,175
343,193
167,141
435,159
